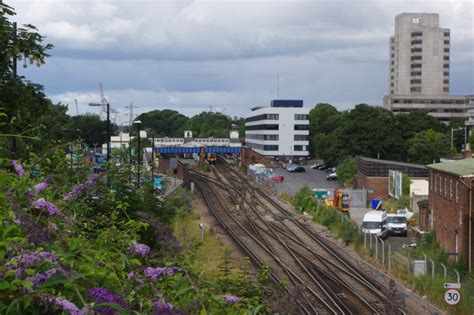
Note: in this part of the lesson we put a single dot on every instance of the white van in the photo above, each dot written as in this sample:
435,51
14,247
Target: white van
375,222
397,224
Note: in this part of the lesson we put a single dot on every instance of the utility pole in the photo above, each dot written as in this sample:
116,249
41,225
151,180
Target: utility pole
14,77
153,159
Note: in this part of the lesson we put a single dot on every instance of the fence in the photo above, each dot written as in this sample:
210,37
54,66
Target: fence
358,197
407,261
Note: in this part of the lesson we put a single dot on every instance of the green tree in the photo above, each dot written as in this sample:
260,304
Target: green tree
427,147
164,123
347,170
209,124
367,131
21,101
417,121
88,127
323,119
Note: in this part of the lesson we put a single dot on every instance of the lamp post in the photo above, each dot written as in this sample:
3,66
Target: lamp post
153,159
108,125
138,123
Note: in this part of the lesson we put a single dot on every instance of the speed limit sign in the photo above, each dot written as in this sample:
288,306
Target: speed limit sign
452,296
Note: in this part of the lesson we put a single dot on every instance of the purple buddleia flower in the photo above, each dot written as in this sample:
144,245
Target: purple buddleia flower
138,249
132,275
30,194
162,308
102,295
46,206
76,191
52,226
230,298
65,305
17,221
41,186
79,189
18,168
26,260
41,277
171,270
155,273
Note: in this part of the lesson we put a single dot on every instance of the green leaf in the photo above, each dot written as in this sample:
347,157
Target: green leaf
182,292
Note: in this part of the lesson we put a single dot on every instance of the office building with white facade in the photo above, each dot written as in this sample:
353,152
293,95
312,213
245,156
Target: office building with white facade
419,68
279,130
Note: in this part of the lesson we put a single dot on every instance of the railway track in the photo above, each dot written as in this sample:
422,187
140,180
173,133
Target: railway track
273,236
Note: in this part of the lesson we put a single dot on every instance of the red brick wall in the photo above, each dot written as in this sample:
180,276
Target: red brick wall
377,185
449,205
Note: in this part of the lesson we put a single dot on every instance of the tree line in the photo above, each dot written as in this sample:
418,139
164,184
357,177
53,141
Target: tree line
414,137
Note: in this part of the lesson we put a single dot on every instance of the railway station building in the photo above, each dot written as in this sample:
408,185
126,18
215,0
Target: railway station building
281,130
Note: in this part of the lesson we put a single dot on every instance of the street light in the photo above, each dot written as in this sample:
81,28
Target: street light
138,123
108,126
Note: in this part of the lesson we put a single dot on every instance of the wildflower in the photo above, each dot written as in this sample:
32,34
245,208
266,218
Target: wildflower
18,168
47,206
155,273
26,260
102,295
131,275
230,298
65,305
41,277
41,186
171,271
17,220
79,189
30,194
53,226
162,308
138,249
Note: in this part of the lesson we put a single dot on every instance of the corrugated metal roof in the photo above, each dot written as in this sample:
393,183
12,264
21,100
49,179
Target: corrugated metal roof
461,167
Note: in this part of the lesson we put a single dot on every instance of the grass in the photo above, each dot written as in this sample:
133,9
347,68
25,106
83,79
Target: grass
210,253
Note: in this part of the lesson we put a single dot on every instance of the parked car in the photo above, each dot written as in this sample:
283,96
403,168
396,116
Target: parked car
278,179
323,167
332,176
316,165
297,169
291,167
331,170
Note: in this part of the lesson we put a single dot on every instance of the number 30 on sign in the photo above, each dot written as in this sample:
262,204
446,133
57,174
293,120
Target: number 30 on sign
452,296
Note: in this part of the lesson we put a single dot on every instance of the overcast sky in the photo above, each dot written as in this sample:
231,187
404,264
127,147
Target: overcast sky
190,55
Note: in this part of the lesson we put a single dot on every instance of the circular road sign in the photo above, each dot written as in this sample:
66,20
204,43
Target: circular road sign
452,296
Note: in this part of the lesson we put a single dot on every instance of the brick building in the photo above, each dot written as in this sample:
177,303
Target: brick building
372,174
450,207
